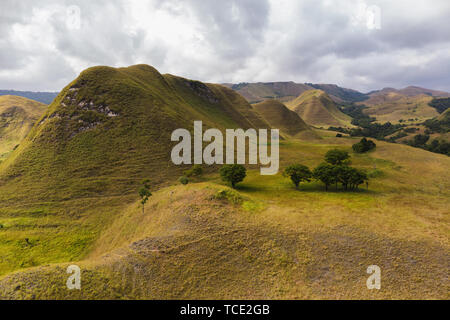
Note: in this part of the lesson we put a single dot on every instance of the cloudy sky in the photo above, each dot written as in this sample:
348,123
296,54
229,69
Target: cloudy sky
359,44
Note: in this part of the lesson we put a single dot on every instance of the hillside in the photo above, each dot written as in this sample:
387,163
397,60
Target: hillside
411,91
286,91
43,97
316,108
277,115
17,116
396,107
267,240
340,95
257,92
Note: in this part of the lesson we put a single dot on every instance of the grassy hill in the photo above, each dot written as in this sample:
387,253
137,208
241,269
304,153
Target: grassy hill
17,117
69,196
394,106
340,95
257,92
43,97
279,116
411,91
316,108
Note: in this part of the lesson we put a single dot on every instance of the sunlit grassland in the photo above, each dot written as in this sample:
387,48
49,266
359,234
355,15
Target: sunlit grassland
275,242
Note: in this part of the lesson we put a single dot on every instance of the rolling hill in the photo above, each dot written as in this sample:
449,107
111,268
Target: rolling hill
316,108
279,116
286,91
411,91
257,92
69,196
394,107
17,117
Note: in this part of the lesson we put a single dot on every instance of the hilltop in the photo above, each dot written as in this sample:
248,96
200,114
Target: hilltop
411,91
279,116
316,108
17,117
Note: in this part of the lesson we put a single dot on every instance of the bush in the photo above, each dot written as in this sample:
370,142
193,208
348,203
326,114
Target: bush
184,180
364,145
233,173
339,135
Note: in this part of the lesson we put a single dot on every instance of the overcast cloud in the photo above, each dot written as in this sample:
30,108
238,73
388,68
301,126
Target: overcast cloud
45,44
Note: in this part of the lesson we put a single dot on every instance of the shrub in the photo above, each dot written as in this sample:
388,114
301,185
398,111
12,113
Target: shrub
364,145
184,180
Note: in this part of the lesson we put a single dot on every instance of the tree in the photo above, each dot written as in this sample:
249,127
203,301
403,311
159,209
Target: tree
233,173
298,173
363,146
357,178
144,193
325,173
336,156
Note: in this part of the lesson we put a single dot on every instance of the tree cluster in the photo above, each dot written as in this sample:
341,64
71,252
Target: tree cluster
336,170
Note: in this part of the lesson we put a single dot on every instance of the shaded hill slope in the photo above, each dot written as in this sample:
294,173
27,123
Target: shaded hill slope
280,117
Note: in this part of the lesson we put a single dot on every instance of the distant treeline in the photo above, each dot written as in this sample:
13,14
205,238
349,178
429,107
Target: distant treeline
43,97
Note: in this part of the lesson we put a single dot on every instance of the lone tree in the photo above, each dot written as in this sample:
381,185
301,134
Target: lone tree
144,193
233,173
298,173
337,157
325,173
363,146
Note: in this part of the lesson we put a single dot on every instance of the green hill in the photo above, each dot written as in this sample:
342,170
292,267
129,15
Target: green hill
279,116
316,108
387,106
17,117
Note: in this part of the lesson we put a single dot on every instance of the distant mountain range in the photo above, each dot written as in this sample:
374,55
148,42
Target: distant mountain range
43,97
286,91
